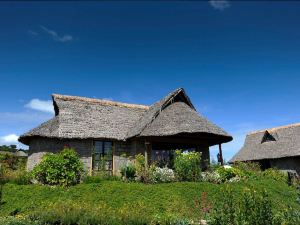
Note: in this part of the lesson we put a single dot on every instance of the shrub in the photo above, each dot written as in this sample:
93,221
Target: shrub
212,177
275,174
63,168
247,166
187,165
254,208
128,172
143,171
163,175
227,174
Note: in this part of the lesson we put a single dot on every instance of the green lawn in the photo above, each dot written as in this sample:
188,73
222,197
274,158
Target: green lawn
155,199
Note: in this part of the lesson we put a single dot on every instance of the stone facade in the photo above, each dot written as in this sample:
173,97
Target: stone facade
40,146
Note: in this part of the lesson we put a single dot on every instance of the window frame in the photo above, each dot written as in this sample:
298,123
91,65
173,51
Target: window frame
102,154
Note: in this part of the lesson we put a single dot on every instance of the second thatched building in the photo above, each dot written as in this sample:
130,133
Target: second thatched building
277,147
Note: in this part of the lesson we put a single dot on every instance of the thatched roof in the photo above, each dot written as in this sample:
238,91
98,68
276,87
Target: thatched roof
278,142
85,118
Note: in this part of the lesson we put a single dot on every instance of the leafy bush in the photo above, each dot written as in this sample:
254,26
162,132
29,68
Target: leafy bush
162,175
63,168
254,208
187,165
19,176
128,172
212,177
12,162
227,174
275,174
247,166
143,171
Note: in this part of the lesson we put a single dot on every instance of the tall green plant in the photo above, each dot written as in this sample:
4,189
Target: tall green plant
187,165
63,168
254,208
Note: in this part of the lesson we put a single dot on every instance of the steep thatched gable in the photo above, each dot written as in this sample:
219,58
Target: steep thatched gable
278,142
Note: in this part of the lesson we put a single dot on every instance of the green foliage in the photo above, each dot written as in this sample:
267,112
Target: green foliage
187,165
228,173
254,207
11,220
63,168
1,183
211,176
172,202
247,166
143,170
128,172
275,174
9,148
162,175
11,162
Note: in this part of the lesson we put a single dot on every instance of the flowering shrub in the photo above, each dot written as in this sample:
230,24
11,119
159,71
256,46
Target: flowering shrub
187,165
212,177
63,168
163,175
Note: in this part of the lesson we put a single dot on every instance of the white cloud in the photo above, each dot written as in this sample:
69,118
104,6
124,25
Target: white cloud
40,105
12,139
219,4
56,37
9,139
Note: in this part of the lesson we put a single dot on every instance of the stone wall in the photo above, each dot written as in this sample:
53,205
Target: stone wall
123,151
39,146
291,163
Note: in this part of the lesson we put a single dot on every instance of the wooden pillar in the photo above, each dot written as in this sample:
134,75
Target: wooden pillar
220,158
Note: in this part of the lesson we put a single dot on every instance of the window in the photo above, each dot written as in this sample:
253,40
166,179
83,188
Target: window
268,137
102,155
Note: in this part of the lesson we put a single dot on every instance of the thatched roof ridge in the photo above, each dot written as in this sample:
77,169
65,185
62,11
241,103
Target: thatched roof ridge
285,143
98,101
273,129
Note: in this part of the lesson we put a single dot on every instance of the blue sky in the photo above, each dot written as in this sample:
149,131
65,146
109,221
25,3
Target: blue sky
238,61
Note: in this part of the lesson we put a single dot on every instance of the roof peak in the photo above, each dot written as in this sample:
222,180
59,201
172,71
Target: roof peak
98,101
275,128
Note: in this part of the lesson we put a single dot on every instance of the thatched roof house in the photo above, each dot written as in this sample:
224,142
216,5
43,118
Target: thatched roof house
93,126
275,147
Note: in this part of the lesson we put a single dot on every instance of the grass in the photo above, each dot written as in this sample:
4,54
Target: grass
156,199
